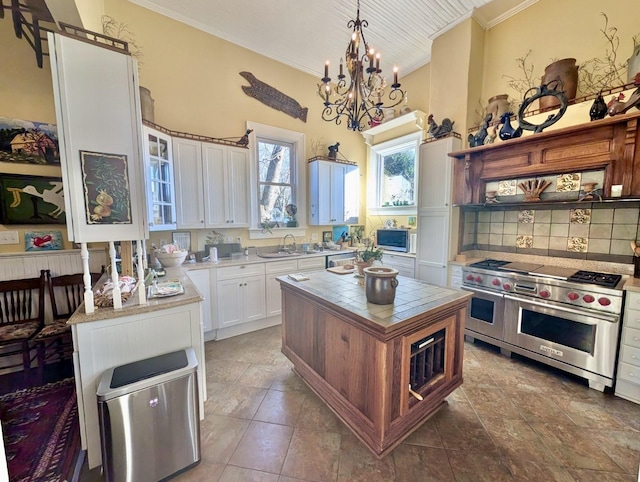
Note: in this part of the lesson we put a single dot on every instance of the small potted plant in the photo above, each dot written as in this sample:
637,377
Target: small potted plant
366,257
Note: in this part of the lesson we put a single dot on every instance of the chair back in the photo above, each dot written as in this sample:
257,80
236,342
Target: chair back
22,301
66,293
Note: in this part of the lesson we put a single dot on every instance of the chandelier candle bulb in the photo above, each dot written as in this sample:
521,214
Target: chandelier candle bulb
378,62
326,69
341,76
395,75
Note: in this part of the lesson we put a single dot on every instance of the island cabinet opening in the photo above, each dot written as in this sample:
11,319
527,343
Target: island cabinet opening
383,370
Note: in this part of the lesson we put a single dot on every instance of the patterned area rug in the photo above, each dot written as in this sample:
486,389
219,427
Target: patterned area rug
41,433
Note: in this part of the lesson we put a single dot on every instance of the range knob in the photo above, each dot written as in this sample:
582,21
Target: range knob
506,286
573,296
545,293
588,299
469,277
478,279
604,301
496,282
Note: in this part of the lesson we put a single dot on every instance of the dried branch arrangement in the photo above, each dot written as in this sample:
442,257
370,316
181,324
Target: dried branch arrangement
532,189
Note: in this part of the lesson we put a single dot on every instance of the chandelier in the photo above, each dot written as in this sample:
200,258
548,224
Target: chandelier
358,101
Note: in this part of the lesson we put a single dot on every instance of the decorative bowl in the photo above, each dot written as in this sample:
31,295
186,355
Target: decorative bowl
172,259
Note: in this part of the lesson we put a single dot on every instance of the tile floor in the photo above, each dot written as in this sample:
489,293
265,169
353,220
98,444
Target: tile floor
512,419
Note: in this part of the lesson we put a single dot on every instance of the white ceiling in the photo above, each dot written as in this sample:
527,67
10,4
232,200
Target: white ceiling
305,33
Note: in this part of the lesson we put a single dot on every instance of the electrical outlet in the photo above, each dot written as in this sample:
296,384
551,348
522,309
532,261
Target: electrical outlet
314,236
9,237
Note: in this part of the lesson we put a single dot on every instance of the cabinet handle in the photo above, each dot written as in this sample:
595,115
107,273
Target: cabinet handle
243,266
415,394
631,374
202,221
634,357
635,338
240,284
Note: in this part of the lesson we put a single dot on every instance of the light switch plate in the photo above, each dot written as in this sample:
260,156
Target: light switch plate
314,236
9,237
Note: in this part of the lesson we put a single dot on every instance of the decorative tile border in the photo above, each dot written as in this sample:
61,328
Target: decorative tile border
507,188
568,182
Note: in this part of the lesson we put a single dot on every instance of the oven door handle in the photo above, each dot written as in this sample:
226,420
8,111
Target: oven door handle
485,292
602,316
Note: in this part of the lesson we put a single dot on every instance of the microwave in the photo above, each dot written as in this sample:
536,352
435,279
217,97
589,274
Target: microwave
396,240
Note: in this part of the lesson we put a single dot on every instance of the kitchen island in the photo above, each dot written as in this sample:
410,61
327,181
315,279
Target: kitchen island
382,369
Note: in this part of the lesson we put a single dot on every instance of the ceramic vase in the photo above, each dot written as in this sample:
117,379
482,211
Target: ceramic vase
565,71
498,105
146,104
633,64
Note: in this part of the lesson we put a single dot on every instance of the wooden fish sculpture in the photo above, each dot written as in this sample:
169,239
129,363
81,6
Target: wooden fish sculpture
273,97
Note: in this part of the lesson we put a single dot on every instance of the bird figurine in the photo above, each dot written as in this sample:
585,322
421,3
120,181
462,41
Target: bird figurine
333,150
507,131
442,130
616,106
481,135
244,140
491,136
598,108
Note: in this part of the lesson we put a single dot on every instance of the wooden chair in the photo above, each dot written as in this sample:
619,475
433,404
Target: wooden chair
21,318
66,294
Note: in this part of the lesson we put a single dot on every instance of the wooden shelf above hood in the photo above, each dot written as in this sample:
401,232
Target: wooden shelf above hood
608,144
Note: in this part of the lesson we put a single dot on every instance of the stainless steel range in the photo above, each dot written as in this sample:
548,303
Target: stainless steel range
566,318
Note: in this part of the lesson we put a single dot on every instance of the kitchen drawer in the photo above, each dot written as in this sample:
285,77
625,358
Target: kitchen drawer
633,300
632,318
630,355
456,270
288,266
631,337
630,373
313,263
398,262
627,390
240,271
456,282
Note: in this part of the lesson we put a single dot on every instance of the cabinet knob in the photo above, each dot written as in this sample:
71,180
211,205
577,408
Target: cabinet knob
202,221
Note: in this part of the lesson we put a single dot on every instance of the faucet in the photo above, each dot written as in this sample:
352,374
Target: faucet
284,242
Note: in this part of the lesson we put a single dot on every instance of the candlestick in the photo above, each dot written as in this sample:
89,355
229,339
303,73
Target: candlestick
395,75
341,72
371,58
326,69
378,62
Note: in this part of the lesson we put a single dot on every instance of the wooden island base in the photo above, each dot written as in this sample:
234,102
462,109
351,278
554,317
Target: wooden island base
370,369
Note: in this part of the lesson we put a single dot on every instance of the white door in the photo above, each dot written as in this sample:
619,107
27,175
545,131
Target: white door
336,186
435,171
187,157
200,278
322,181
433,244
214,182
254,298
230,300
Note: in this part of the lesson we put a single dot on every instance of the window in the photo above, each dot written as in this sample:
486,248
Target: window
393,175
278,172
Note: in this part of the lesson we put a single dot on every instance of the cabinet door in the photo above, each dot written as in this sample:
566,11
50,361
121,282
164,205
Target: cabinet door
187,156
336,188
214,185
200,278
322,203
237,178
254,298
433,246
435,173
274,297
161,205
229,301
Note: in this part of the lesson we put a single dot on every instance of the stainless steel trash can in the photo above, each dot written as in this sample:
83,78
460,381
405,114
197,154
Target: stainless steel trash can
149,418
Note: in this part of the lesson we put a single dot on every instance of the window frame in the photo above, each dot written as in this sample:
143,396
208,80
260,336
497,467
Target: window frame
299,186
376,154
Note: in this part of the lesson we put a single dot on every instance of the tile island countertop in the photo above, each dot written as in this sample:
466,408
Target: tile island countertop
347,293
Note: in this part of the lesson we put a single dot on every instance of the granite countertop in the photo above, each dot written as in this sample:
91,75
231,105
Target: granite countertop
413,297
131,306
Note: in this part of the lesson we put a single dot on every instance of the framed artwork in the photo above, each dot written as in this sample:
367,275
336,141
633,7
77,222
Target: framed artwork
411,220
182,239
31,199
107,195
339,232
356,233
29,142
42,240
327,236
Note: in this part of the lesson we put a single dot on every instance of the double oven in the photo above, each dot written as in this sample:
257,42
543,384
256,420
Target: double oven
560,316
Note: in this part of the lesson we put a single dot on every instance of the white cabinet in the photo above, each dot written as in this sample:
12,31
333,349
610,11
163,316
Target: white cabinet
273,270
159,179
628,375
201,278
333,193
211,185
437,220
404,264
240,294
455,276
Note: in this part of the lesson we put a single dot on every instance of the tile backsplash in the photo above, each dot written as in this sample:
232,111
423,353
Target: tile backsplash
594,231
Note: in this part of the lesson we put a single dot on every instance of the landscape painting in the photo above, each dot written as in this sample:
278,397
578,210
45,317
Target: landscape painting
107,194
30,142
31,200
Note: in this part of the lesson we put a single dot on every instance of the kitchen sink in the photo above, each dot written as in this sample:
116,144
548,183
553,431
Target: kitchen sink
278,255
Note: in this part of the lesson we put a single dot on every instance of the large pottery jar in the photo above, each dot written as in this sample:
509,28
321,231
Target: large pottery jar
565,71
146,104
498,105
380,284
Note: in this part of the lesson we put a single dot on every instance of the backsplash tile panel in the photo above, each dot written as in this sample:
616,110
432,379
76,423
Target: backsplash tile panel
507,188
580,216
526,216
568,182
577,245
578,230
559,230
626,216
524,241
602,216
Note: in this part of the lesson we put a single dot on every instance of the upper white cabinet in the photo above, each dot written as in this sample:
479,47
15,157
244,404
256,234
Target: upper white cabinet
161,200
211,185
333,193
437,221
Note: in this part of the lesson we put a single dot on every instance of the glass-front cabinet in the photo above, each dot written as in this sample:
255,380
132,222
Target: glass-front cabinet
161,199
